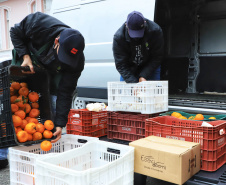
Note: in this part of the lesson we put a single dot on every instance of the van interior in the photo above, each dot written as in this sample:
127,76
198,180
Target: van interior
195,51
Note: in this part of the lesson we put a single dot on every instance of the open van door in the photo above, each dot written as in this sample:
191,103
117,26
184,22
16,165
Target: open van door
98,20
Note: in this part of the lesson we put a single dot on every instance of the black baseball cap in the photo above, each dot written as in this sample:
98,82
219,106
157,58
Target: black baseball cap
71,48
135,23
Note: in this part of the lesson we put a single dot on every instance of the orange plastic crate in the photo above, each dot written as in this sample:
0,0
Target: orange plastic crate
213,145
87,123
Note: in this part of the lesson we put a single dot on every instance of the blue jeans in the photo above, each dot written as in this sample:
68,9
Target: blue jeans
154,76
53,105
3,153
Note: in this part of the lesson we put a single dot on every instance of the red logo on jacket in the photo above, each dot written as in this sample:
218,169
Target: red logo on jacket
74,51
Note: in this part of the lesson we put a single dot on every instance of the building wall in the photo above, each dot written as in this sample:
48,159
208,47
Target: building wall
17,10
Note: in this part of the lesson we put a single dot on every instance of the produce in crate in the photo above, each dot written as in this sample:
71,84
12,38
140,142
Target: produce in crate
196,117
97,107
25,109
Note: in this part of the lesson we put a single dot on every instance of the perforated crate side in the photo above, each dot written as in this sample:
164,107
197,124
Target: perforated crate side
211,139
98,162
7,133
22,159
146,98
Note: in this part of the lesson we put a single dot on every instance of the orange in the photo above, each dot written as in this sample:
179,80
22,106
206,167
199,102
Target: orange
15,85
12,99
26,108
33,96
17,129
23,91
30,137
33,120
176,114
23,84
30,128
47,134
24,123
21,100
20,113
12,91
14,108
49,125
17,121
199,117
28,118
182,117
46,145
35,105
37,136
40,127
34,113
212,118
22,136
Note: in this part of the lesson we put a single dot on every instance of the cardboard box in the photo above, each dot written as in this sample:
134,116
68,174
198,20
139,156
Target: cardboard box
166,159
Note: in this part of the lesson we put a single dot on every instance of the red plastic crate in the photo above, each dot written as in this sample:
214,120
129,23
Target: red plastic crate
125,129
123,136
127,126
87,123
97,133
213,145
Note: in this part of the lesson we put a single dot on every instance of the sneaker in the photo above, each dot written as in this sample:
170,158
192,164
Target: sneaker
3,163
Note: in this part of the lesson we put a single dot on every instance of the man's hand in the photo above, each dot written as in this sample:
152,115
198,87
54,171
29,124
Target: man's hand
27,62
58,134
141,79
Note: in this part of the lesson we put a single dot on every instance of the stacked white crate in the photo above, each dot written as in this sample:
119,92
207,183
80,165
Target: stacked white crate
97,163
147,97
22,159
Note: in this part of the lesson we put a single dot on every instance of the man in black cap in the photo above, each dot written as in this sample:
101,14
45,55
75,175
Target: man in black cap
138,49
60,51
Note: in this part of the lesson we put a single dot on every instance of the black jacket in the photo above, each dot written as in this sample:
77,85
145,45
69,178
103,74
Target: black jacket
152,44
34,31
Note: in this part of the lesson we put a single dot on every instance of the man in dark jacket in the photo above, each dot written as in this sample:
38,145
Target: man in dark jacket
138,49
63,55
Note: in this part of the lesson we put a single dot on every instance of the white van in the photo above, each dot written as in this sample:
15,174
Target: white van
194,47
98,20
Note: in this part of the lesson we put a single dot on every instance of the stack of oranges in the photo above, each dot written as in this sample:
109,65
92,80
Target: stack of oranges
25,110
196,117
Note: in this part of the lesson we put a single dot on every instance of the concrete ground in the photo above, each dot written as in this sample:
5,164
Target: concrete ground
4,176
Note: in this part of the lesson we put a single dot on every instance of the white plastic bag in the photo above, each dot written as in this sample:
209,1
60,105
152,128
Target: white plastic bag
96,107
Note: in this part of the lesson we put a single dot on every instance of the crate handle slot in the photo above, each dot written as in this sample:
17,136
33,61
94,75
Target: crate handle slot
25,68
115,151
25,158
82,140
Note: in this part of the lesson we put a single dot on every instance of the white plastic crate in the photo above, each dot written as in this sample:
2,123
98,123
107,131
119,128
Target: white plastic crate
97,163
22,159
146,97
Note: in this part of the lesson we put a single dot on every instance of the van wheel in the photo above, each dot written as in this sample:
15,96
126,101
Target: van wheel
78,104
